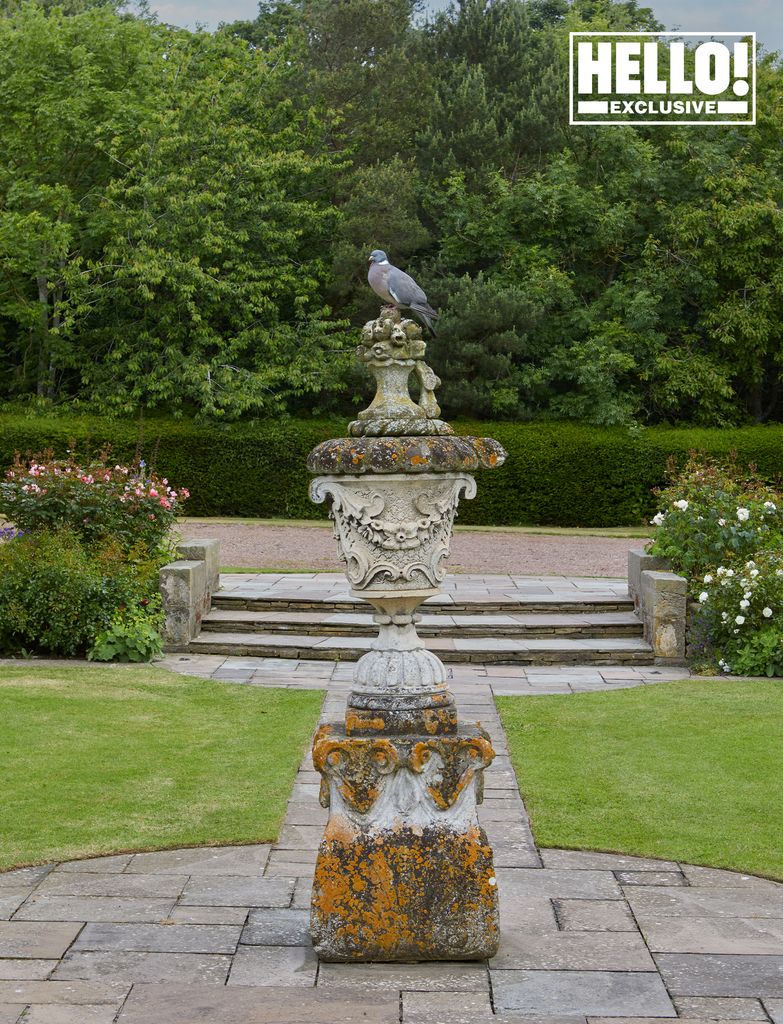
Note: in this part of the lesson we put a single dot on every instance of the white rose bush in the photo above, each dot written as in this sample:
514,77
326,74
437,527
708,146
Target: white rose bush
721,527
740,617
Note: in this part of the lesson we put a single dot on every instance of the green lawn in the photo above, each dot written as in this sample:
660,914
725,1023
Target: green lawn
100,760
688,770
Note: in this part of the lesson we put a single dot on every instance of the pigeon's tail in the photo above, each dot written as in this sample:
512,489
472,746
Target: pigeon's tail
427,315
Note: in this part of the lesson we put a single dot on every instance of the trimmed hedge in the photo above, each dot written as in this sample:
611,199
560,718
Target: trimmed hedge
557,474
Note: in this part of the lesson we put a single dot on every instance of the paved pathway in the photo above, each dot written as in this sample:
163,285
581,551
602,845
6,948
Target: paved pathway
220,936
501,680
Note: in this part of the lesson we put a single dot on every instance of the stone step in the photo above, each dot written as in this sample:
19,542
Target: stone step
480,649
443,624
251,599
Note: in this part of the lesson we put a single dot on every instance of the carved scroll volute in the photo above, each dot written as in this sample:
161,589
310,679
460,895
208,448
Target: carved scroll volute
449,765
358,766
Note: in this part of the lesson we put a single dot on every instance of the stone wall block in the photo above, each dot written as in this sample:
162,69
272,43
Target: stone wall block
207,551
183,588
664,600
639,562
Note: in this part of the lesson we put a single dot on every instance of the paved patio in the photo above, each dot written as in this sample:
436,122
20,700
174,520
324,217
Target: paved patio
220,936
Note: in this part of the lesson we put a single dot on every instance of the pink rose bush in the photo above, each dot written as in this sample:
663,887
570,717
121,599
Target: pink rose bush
95,499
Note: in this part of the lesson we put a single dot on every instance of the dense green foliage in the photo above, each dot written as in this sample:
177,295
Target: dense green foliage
105,760
686,771
162,215
559,474
57,594
185,217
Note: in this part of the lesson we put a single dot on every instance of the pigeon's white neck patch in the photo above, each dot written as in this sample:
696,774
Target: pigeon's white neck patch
383,263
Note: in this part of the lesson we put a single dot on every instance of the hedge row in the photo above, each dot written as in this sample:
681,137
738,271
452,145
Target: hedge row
557,474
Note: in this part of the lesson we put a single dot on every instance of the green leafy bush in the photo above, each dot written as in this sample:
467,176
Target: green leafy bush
134,635
559,474
762,655
96,500
57,595
713,513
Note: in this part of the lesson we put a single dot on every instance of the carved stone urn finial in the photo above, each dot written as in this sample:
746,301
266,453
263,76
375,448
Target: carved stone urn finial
393,350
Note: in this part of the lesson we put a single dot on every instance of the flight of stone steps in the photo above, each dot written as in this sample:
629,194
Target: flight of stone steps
478,619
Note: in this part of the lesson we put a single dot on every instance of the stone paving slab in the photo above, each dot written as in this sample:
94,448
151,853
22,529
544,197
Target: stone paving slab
26,969
451,1007
93,908
175,1004
274,965
93,883
591,951
40,940
23,876
71,1015
559,883
159,938
238,891
709,902
713,935
594,916
225,860
591,993
114,864
288,927
63,992
137,967
379,978
725,1008
691,974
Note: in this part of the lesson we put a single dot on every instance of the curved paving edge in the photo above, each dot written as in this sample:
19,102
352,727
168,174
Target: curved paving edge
220,935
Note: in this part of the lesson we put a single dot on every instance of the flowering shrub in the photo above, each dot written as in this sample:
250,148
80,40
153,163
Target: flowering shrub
715,514
96,500
741,608
56,595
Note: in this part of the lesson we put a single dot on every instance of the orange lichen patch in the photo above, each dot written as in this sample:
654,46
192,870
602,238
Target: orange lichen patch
404,894
363,722
419,460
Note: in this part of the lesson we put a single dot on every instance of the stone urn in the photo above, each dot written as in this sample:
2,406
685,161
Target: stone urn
404,871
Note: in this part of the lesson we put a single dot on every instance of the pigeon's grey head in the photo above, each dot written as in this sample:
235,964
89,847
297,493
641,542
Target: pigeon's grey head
378,256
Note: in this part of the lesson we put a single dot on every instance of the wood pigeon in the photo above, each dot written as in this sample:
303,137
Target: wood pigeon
399,289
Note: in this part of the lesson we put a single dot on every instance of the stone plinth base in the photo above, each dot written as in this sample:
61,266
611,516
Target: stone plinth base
404,870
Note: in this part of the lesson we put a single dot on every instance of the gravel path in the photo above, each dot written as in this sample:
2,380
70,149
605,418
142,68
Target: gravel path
313,547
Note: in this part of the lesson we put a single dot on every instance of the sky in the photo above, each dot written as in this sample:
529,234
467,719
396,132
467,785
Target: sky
760,16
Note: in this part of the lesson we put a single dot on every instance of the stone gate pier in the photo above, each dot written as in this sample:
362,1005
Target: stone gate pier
404,870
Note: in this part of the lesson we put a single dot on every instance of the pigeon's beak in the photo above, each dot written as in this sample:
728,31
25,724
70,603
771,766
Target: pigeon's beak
369,259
